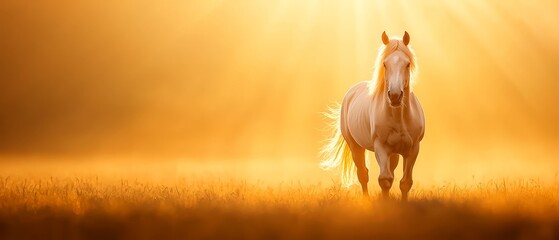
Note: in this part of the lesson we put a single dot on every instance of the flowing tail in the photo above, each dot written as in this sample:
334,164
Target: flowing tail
335,153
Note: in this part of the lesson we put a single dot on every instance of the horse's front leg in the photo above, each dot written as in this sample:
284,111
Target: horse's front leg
407,180
386,176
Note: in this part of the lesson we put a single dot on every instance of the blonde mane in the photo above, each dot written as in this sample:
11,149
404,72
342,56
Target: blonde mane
377,82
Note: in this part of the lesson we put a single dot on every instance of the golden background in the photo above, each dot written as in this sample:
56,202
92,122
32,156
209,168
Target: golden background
234,81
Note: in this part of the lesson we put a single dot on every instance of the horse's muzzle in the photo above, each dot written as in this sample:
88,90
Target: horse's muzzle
395,98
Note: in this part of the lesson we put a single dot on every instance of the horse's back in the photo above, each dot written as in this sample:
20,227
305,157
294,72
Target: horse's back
356,116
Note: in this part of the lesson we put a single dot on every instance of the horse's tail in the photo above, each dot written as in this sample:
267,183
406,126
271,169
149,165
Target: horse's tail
336,153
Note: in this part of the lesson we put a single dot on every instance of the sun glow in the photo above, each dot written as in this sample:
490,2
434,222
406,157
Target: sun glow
201,119
247,80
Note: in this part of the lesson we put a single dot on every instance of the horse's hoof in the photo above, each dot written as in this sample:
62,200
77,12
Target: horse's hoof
404,199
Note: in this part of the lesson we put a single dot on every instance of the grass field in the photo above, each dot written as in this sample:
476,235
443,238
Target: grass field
85,206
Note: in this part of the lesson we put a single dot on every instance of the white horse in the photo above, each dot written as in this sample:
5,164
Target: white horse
382,115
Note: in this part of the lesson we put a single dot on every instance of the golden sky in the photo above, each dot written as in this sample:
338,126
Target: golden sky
248,79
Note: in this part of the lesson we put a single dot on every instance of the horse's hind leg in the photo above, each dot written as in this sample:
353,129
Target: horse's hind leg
393,162
358,155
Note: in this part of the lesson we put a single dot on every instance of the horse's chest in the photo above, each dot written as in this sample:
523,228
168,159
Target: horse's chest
399,140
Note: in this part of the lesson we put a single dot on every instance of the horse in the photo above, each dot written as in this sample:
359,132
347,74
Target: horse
382,115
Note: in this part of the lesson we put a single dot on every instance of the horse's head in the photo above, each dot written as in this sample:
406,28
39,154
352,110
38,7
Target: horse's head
397,69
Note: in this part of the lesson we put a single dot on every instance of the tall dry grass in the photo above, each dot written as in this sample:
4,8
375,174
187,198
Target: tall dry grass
89,207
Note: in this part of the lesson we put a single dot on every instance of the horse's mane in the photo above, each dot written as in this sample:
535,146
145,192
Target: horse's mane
377,83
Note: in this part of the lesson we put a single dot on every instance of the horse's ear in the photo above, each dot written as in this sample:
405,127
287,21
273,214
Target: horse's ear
385,39
406,38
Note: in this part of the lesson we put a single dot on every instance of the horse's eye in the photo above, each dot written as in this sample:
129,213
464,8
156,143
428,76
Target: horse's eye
408,65
384,64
